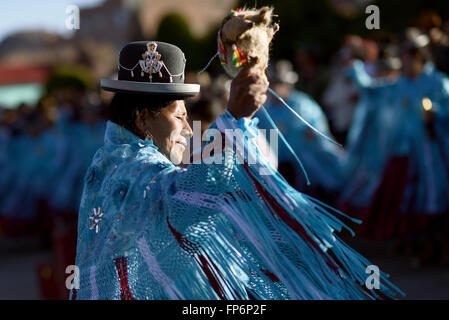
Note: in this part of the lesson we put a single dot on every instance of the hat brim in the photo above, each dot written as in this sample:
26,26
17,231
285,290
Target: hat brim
170,89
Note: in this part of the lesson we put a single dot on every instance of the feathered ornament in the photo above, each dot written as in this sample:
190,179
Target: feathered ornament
244,38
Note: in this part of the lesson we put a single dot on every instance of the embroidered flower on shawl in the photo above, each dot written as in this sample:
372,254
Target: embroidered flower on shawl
96,218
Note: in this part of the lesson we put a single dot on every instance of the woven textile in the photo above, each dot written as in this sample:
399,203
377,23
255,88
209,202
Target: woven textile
150,230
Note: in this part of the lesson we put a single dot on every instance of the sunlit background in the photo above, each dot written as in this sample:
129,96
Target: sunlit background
52,109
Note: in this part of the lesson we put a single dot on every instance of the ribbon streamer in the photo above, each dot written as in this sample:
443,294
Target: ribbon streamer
286,143
302,119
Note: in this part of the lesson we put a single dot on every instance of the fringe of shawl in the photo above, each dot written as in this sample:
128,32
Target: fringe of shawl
281,244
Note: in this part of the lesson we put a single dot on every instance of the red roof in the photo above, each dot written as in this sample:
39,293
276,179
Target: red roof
23,74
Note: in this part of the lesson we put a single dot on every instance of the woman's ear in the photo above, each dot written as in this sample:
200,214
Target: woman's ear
145,119
137,121
140,123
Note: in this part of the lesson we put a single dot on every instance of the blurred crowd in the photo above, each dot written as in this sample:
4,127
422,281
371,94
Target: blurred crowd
45,150
386,102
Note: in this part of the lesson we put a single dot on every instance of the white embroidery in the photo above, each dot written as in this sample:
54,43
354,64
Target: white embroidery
96,218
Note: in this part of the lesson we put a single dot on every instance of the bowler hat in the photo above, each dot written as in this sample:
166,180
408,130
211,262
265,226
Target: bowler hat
151,67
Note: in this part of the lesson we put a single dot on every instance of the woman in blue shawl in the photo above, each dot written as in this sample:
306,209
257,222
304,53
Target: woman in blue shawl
321,159
226,227
405,138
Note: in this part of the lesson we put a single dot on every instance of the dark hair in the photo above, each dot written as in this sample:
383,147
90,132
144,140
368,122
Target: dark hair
423,52
124,106
413,48
207,109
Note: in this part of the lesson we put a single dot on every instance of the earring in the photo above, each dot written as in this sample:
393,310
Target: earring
148,135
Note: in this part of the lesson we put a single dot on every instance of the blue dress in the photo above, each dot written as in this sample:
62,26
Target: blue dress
398,163
369,140
80,141
50,166
5,167
19,199
219,229
321,159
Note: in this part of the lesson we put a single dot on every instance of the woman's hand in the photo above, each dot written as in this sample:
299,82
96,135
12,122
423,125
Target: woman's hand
248,93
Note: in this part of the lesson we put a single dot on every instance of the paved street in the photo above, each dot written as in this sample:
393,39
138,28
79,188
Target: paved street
417,283
18,268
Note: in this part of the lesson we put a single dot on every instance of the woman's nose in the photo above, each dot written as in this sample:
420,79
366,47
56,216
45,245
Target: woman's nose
188,129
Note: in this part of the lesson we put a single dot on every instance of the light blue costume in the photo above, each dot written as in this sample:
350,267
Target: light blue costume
5,140
216,230
80,143
19,199
50,166
368,140
321,159
389,123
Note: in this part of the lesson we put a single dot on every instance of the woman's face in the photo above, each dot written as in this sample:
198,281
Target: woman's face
169,130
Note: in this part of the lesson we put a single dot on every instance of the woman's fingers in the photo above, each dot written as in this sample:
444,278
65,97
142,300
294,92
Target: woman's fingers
257,89
260,100
248,92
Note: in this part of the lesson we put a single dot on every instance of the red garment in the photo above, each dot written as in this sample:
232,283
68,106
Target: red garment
384,219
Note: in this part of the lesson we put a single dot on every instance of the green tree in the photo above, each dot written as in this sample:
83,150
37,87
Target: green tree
317,24
175,29
75,77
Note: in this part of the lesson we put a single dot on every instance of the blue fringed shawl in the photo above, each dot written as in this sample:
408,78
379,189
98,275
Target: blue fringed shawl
223,230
